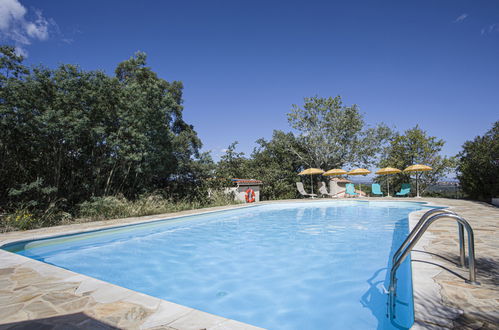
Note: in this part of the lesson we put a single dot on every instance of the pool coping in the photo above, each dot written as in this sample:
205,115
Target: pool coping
164,313
155,312
426,290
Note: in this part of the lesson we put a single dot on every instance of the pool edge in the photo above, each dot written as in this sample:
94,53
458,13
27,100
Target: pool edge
423,284
426,290
104,300
107,298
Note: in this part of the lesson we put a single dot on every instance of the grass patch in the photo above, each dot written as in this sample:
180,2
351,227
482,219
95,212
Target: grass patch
108,207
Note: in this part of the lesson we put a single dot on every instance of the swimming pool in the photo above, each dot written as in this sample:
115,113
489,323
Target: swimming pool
316,265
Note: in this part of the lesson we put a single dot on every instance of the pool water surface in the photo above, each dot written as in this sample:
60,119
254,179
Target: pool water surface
316,265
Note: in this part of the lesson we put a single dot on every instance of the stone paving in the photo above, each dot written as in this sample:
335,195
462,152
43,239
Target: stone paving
37,295
457,305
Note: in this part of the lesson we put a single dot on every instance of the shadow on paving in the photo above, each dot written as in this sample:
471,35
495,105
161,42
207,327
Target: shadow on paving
487,275
63,322
487,269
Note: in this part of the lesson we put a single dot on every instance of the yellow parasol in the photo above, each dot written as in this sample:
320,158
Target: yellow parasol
387,171
335,171
418,168
311,171
359,171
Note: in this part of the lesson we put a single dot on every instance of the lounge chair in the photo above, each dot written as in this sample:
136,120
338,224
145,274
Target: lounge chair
323,191
350,190
301,190
376,189
404,190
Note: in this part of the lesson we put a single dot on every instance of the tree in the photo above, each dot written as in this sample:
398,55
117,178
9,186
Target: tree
156,146
416,147
272,163
67,134
232,164
478,165
334,135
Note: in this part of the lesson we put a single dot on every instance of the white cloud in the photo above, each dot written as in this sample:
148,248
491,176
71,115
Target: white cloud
16,27
39,28
492,28
461,18
9,11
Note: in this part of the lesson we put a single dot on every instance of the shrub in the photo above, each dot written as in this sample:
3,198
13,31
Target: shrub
109,207
21,219
24,218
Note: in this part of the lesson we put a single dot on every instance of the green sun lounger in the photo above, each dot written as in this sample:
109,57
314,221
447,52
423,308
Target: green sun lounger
376,189
404,190
350,190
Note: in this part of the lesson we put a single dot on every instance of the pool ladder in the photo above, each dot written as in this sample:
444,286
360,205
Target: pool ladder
426,220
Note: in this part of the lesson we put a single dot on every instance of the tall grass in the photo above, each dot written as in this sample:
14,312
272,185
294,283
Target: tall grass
109,207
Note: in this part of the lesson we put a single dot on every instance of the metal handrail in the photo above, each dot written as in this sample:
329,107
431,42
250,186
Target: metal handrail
471,254
421,222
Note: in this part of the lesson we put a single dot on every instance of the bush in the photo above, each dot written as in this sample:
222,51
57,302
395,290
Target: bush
26,218
111,207
219,198
21,219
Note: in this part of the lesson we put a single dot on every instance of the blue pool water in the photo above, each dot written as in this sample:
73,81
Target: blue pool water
318,265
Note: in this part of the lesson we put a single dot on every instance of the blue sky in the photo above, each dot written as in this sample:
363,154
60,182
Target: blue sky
243,64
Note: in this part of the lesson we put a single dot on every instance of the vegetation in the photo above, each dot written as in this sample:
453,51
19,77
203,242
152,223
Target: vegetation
329,135
415,147
276,166
67,136
81,145
109,207
479,165
332,135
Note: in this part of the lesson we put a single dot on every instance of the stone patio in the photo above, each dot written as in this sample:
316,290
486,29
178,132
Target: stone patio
455,304
37,295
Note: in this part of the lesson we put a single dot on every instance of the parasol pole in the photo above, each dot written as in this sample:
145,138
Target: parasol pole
311,184
417,185
388,184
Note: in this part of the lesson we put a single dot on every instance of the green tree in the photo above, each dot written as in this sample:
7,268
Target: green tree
156,147
333,135
478,165
67,134
12,71
272,163
232,164
416,147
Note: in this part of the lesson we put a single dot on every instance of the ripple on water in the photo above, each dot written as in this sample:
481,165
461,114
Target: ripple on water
278,266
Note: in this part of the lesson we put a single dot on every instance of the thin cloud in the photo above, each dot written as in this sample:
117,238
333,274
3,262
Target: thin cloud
461,18
16,27
492,28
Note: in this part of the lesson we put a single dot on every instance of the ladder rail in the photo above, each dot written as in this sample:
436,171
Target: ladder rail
416,237
418,226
